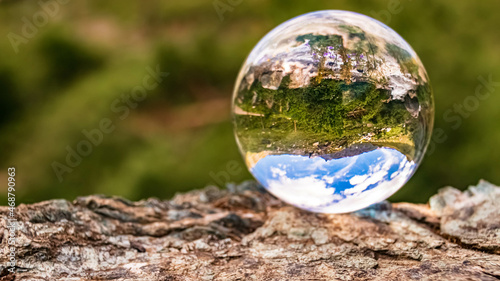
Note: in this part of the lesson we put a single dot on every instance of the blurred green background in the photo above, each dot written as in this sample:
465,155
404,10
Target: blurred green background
65,65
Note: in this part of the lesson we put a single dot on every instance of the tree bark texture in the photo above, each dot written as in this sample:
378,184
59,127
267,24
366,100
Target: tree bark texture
244,233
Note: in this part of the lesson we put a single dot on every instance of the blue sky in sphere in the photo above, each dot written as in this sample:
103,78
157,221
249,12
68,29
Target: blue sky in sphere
319,181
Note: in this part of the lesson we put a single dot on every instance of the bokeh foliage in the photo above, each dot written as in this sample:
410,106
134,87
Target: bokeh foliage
65,78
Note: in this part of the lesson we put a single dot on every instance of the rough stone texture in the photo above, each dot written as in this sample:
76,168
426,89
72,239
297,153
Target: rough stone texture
243,233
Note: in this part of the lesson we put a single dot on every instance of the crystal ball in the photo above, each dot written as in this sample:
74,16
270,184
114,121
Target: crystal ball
332,111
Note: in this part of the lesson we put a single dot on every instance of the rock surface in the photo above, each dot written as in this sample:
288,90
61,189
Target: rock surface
244,233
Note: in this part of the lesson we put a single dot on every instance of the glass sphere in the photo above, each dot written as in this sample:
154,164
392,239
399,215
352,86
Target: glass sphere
332,111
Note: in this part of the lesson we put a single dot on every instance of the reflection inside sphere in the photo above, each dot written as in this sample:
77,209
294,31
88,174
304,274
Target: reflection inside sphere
323,184
332,111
